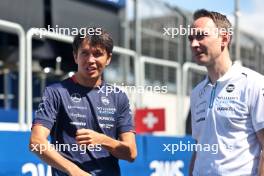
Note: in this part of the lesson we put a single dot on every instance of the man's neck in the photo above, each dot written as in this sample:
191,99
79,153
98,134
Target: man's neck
219,68
88,82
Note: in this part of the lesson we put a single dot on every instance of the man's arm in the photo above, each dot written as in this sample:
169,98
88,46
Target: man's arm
40,145
124,148
260,135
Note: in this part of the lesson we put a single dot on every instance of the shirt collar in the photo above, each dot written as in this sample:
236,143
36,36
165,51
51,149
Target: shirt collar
228,75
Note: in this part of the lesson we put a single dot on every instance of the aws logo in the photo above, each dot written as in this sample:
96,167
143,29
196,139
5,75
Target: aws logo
167,168
36,169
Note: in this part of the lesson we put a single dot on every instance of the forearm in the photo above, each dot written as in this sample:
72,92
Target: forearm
119,149
48,154
261,164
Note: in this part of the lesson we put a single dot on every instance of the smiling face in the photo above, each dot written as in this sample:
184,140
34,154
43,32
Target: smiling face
205,42
91,61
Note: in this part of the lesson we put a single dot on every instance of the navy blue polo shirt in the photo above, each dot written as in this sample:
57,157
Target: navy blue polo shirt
68,106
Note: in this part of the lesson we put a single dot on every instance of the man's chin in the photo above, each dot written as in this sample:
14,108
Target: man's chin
200,61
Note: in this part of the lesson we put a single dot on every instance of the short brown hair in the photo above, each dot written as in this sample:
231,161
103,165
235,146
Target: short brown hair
101,39
219,19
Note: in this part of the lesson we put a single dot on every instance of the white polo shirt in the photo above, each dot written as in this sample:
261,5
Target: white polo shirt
228,115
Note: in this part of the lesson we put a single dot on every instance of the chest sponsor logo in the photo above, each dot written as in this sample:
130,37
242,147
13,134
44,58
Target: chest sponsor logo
77,115
106,125
82,124
76,98
104,110
105,101
76,107
103,118
227,98
229,108
230,88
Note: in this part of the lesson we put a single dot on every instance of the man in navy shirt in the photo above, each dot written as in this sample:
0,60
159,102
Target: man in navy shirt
89,121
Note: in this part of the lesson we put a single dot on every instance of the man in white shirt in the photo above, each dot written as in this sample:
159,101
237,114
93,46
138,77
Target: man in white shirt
228,106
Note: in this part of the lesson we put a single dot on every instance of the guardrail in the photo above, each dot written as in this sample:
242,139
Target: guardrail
15,28
178,81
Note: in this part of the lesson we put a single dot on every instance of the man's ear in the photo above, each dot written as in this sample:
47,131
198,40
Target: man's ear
225,39
109,59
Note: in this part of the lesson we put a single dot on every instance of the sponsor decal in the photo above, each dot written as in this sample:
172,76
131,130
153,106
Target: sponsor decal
44,98
105,101
78,123
227,98
103,110
230,88
225,108
106,126
76,107
41,107
200,111
76,98
106,118
203,104
76,115
200,119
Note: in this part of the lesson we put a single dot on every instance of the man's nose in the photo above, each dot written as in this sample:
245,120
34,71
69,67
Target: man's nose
194,43
91,58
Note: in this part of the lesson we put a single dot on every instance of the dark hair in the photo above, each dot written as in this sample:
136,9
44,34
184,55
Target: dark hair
98,37
219,19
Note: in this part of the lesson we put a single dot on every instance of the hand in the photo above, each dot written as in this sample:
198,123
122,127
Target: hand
87,136
78,172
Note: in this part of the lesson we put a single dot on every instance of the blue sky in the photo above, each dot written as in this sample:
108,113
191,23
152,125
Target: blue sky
225,6
252,11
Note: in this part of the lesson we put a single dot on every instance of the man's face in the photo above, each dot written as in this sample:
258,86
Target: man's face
205,42
91,60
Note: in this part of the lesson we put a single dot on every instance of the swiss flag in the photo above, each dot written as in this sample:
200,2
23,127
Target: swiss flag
150,120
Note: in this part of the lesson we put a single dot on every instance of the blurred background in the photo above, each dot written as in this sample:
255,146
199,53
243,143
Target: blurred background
143,57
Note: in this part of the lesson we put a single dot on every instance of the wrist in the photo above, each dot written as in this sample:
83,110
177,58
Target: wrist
71,169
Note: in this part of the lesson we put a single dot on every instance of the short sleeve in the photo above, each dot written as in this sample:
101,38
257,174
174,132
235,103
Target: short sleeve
257,106
47,110
124,121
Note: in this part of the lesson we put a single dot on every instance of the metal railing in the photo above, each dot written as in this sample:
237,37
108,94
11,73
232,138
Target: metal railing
178,80
15,28
186,71
37,33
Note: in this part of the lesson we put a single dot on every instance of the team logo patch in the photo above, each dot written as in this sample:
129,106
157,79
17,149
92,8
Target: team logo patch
105,100
76,98
44,98
230,88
